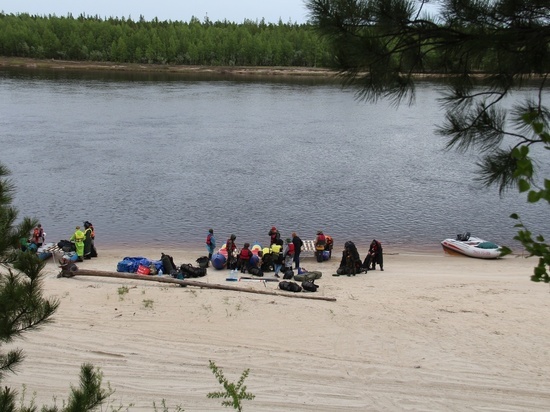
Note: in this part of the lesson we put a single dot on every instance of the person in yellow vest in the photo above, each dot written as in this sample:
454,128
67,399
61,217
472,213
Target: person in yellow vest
78,239
277,251
89,229
88,241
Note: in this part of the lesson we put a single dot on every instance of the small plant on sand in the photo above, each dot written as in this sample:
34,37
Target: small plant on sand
22,400
148,303
233,394
123,290
165,408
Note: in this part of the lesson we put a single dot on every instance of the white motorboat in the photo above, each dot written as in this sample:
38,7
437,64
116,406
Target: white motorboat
472,246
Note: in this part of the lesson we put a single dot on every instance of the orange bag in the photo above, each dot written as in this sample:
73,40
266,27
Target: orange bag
143,270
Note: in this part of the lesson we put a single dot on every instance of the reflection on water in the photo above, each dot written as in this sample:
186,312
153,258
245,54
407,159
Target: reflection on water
158,161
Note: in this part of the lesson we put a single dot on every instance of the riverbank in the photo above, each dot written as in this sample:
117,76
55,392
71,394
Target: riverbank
430,332
26,63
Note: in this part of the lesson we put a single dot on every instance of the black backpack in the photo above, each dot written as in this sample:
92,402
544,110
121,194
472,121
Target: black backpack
202,261
189,271
66,246
290,286
168,264
267,262
289,274
309,285
256,271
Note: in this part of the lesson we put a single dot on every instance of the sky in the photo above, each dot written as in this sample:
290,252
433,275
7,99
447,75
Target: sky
176,10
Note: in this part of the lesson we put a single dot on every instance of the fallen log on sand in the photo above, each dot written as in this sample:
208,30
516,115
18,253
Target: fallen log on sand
165,279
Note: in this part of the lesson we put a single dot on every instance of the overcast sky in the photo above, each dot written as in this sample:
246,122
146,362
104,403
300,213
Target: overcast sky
176,10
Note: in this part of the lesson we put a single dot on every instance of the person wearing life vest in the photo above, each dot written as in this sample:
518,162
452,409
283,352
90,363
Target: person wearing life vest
38,235
273,235
210,244
89,241
329,243
78,239
267,259
277,252
244,258
231,248
320,243
288,253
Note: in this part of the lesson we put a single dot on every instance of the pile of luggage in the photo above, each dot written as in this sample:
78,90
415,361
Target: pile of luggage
164,266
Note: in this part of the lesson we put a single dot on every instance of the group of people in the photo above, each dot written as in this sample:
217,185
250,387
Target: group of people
351,263
280,254
285,253
84,242
35,240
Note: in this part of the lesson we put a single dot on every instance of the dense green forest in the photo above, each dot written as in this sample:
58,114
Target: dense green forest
196,42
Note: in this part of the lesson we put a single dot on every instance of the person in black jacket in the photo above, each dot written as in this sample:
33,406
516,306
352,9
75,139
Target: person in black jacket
351,262
297,249
231,249
374,256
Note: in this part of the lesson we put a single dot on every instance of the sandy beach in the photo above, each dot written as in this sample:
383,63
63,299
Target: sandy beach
433,332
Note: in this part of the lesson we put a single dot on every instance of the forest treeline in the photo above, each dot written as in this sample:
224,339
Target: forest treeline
220,43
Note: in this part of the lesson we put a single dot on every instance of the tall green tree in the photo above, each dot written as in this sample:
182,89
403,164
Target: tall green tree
160,42
23,308
485,50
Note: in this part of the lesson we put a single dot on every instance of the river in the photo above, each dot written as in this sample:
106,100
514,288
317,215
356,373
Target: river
157,160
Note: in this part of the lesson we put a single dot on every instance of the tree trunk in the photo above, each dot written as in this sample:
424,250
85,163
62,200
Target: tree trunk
164,279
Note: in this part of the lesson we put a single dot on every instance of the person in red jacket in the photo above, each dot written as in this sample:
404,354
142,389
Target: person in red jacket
38,235
288,253
244,258
274,235
320,243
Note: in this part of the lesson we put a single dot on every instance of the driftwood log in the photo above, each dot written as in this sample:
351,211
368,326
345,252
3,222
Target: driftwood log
164,279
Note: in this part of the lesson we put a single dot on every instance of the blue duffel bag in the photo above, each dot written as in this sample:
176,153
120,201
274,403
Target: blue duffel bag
131,264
